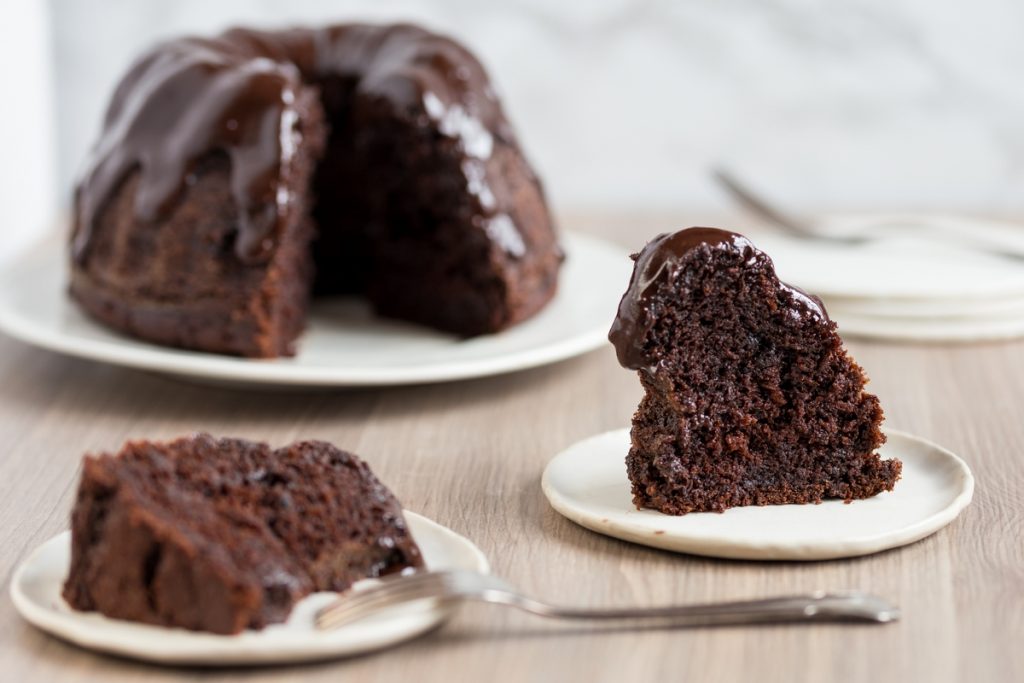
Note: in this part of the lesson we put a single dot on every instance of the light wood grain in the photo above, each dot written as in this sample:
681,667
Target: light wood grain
470,456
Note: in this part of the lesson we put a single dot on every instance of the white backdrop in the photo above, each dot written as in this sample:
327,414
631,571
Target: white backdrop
27,163
624,104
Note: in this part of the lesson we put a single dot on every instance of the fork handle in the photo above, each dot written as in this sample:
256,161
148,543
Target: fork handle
852,606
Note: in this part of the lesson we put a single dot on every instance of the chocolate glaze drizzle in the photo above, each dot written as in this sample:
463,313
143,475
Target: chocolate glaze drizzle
656,265
236,94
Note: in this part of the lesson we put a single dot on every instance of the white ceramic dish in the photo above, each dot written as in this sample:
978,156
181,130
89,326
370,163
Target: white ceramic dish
344,345
36,587
901,267
587,483
972,329
930,310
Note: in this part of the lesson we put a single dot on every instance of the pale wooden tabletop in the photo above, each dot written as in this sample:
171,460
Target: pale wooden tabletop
470,456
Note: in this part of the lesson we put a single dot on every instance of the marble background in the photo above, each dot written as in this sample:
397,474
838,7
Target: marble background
626,104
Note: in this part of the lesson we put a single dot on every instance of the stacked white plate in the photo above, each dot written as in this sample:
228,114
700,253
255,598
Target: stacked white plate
918,277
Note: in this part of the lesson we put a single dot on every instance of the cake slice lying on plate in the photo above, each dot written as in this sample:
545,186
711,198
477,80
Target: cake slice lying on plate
224,534
751,398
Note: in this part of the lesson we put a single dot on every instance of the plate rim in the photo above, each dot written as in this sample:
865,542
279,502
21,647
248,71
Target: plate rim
979,329
198,365
767,551
66,627
773,239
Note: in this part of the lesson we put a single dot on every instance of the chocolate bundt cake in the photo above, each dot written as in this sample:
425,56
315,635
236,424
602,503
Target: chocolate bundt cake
237,176
222,535
750,397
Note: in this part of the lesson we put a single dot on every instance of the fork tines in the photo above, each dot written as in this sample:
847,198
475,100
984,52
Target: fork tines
387,592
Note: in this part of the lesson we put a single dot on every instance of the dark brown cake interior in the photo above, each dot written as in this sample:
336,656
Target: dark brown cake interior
225,534
393,206
750,397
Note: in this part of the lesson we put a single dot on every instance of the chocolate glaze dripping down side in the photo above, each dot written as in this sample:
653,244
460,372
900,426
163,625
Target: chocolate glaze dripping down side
656,266
235,94
158,125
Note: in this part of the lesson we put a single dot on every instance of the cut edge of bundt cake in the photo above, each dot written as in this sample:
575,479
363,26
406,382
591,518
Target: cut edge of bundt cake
750,396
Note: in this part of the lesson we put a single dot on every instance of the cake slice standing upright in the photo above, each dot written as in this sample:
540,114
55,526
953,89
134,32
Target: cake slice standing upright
751,398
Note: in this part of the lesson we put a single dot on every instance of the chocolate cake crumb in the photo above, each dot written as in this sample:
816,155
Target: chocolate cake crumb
750,397
222,535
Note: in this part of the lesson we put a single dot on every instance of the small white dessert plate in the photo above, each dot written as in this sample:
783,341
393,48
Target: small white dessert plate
902,266
587,483
36,593
964,329
344,343
930,310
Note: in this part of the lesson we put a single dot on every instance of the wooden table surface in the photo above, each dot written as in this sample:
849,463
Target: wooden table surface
470,456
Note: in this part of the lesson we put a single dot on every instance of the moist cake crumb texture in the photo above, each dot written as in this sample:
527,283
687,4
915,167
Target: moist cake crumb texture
750,397
222,535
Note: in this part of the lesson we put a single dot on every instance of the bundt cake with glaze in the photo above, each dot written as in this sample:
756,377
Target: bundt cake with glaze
222,535
237,176
750,397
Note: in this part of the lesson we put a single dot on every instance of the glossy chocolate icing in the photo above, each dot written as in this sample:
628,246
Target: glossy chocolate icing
236,94
656,265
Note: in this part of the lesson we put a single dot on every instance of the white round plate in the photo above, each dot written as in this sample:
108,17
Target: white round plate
928,309
36,593
587,483
344,344
972,329
896,267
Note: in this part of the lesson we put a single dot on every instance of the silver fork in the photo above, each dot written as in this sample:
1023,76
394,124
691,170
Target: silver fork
454,586
774,214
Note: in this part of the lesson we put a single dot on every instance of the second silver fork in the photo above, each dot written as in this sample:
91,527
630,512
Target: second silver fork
454,586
